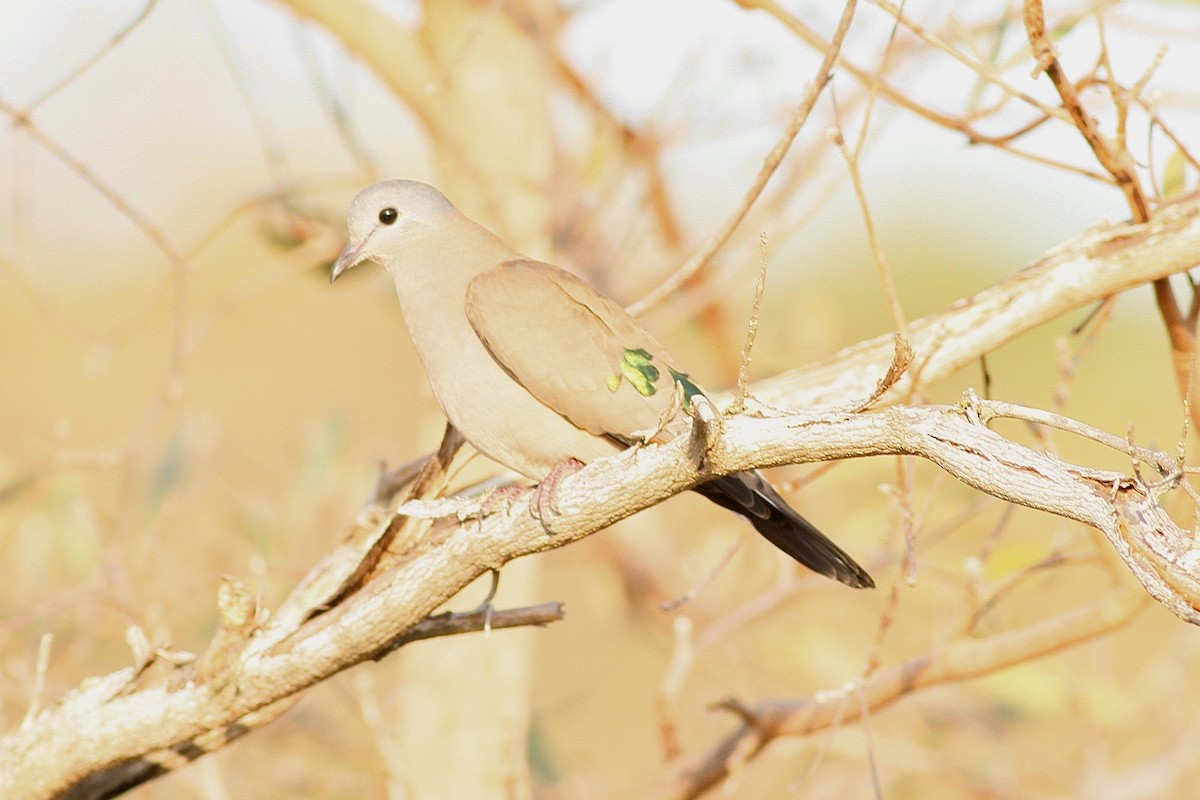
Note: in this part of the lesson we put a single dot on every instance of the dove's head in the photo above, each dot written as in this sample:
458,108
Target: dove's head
384,218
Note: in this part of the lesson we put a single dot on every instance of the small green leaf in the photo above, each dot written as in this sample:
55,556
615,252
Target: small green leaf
1174,175
613,381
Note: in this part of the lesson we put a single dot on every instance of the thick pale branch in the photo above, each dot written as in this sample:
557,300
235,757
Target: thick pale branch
1102,262
94,729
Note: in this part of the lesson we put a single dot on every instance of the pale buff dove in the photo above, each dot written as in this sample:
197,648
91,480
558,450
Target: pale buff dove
534,366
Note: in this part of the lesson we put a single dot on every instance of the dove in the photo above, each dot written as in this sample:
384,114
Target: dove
534,366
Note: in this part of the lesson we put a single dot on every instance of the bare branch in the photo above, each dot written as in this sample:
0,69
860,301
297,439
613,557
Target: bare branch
760,287
715,242
963,659
1102,262
109,46
1119,163
94,730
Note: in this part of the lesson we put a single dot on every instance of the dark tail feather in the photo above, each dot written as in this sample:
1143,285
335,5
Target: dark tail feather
749,494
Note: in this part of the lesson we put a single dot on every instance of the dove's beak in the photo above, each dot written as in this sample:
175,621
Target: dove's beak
349,257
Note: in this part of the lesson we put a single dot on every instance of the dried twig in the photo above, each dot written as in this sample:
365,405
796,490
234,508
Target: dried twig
743,378
963,659
715,242
1115,159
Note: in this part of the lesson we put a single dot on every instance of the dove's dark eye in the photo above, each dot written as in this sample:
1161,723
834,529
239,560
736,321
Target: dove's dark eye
388,215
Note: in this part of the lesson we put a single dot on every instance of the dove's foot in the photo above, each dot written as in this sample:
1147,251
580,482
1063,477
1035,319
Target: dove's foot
503,497
544,501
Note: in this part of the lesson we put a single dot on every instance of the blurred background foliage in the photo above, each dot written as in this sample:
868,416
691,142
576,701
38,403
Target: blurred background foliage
184,396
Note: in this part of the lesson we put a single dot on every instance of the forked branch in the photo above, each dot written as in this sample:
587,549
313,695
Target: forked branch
132,713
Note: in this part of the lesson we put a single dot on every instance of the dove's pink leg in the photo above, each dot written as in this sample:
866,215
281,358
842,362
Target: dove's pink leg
505,494
543,495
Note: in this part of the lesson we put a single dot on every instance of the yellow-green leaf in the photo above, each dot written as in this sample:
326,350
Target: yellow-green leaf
1174,177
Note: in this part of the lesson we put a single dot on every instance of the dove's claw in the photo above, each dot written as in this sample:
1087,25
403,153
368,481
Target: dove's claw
545,502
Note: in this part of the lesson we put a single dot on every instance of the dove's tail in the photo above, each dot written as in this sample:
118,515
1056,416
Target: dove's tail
749,494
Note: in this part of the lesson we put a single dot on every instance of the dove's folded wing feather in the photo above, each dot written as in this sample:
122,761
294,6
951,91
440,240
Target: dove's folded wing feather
572,348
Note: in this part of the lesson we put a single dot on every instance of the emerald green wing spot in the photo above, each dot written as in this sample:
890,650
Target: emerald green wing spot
637,369
690,389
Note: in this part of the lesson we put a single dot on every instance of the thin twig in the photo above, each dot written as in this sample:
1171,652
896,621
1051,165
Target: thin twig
178,261
962,125
715,242
710,576
1119,163
39,679
877,256
1155,458
739,396
455,623
94,59
963,659
683,655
